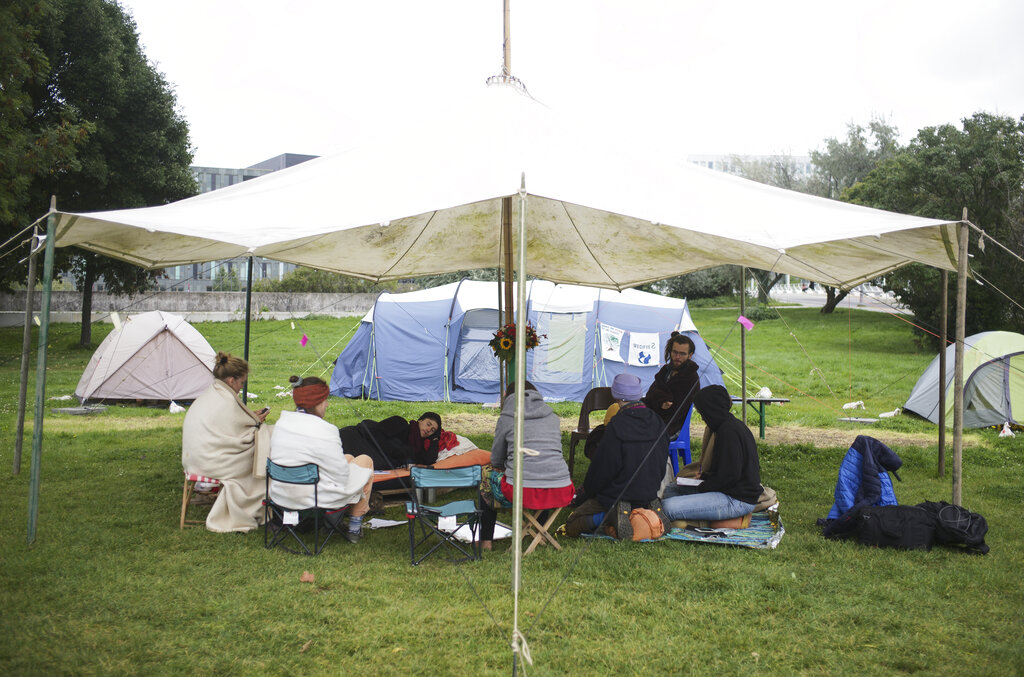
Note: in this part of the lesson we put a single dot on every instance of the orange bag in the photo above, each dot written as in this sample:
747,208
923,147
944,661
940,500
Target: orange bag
646,524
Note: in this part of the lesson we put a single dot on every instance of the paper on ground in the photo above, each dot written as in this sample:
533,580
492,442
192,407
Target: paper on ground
378,523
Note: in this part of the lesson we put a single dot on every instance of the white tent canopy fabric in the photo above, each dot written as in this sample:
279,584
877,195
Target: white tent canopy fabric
153,356
427,199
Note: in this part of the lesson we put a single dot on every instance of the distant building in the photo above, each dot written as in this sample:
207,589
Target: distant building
228,273
730,164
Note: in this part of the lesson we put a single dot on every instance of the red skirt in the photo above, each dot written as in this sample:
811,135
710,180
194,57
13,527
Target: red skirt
540,499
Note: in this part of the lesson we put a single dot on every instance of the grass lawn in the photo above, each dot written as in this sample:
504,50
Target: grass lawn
112,586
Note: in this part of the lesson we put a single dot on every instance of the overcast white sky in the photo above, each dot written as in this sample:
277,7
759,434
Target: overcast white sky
257,78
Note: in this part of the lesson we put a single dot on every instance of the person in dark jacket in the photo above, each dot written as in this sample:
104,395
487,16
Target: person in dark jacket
675,385
731,485
394,442
627,468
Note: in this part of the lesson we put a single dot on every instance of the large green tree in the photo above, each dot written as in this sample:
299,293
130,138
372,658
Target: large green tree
33,145
139,152
943,170
845,162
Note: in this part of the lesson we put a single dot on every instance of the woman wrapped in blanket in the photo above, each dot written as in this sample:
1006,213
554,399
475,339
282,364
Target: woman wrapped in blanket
218,439
546,480
395,442
303,436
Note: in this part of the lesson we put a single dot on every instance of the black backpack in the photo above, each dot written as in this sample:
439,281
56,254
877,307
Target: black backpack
957,526
905,527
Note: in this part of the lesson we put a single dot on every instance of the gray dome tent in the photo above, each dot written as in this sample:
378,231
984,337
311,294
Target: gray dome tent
993,381
153,356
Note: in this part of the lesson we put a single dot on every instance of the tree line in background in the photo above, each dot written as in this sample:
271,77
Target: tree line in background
942,170
86,117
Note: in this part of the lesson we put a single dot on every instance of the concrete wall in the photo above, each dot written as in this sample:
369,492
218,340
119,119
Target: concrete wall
66,306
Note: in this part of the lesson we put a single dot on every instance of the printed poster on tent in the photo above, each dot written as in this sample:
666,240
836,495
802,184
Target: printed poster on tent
643,349
611,342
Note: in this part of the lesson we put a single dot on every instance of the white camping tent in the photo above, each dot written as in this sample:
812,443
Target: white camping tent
433,344
427,199
153,356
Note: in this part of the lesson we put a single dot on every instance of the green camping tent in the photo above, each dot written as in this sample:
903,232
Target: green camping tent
993,381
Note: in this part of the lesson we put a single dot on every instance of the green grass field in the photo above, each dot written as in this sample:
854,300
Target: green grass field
111,586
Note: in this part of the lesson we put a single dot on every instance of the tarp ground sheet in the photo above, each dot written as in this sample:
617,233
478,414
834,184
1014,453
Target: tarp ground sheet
764,533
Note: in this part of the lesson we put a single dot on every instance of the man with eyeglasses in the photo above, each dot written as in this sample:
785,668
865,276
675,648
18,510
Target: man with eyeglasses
675,384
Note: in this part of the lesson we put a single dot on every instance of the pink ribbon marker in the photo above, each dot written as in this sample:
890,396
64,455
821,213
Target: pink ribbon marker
747,324
304,340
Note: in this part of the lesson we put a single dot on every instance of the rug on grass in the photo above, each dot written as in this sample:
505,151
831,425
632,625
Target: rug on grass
765,532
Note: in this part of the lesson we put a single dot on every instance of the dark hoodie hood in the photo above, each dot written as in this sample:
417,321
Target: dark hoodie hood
713,403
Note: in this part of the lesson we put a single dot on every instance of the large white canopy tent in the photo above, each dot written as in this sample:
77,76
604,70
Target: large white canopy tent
428,199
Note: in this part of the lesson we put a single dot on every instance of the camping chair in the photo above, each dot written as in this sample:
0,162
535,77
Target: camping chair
292,520
681,444
428,517
597,399
189,490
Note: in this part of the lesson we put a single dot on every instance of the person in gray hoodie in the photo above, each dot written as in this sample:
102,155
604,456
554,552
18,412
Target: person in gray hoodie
546,480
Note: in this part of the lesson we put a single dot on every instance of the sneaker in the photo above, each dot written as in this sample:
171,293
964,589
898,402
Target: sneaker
352,536
656,506
623,527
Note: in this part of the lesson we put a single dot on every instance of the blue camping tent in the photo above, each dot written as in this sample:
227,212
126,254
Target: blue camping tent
432,344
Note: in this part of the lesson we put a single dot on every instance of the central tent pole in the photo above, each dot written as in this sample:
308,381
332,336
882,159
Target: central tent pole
520,376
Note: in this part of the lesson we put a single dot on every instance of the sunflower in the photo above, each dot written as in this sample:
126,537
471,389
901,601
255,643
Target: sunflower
506,343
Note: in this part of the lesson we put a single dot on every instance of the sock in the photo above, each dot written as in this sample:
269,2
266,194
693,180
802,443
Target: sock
355,524
597,519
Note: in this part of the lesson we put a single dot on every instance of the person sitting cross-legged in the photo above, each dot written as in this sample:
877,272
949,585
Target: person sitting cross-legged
627,468
303,436
731,485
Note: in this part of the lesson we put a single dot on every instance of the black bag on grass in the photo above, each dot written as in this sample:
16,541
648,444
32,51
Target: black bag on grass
905,527
957,526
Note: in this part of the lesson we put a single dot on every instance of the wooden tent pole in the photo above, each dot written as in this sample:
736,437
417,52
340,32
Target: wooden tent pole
958,378
44,337
942,372
26,350
506,202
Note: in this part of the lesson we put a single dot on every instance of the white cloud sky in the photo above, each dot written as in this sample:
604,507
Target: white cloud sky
257,78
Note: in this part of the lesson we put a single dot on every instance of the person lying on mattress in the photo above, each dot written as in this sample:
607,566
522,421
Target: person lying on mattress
219,440
395,442
731,485
546,480
303,436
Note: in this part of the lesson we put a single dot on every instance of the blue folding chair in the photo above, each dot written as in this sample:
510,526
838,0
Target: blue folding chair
431,535
681,444
284,521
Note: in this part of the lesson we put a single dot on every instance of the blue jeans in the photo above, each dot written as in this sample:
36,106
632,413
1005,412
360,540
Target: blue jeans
713,505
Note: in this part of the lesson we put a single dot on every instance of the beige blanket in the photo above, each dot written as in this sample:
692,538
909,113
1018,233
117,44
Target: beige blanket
220,438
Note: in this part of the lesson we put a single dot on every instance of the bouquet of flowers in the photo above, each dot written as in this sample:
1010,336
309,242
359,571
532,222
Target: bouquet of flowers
504,342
